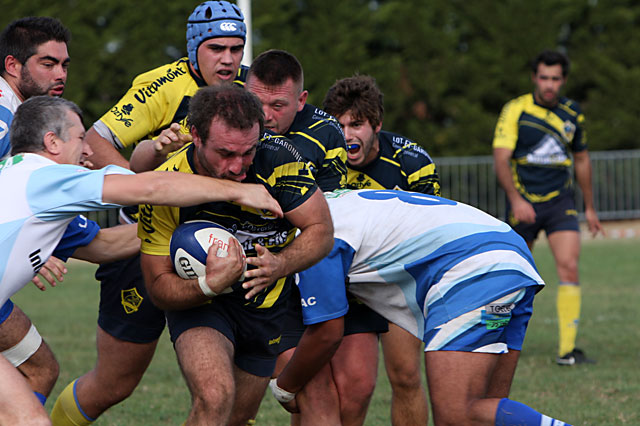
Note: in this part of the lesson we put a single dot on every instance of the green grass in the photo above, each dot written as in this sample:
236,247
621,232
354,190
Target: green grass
603,394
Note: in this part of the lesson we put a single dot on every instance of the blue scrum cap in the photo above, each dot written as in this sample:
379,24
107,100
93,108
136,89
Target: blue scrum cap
213,19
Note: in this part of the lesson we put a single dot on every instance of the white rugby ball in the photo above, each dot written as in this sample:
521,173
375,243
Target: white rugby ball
190,244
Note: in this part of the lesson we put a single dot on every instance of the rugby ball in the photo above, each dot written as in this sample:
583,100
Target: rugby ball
190,244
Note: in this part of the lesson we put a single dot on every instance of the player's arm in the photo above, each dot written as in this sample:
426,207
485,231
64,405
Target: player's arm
170,292
522,210
110,244
315,241
170,189
104,153
149,154
582,164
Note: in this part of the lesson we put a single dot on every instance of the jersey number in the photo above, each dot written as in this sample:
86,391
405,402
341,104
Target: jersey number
407,197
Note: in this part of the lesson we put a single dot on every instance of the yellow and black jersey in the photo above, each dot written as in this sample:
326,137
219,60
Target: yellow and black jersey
156,99
280,168
542,140
319,139
401,164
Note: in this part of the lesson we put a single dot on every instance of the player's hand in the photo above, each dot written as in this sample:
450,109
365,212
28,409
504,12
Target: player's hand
595,227
53,269
523,211
170,139
267,271
223,271
257,196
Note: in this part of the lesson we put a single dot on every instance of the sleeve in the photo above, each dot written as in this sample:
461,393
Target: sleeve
421,171
506,133
580,139
6,117
333,174
322,287
155,227
63,190
284,172
80,232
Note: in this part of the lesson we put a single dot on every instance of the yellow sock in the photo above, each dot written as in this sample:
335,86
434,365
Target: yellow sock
66,411
568,305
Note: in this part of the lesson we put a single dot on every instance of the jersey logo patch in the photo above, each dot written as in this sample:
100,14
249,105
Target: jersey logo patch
120,115
131,300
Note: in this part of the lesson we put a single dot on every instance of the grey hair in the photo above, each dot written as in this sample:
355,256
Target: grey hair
35,118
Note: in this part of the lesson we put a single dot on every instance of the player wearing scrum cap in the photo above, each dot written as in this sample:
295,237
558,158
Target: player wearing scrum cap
156,104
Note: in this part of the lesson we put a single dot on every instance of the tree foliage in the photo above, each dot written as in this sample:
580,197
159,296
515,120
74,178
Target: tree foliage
446,66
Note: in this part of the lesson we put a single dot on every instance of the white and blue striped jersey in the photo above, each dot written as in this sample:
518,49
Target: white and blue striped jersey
9,103
416,259
39,199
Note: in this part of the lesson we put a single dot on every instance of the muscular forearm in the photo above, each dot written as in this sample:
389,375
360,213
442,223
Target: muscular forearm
503,174
111,244
316,347
583,177
145,157
313,244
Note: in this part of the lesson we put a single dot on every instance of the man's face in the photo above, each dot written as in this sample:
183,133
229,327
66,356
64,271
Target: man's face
74,149
361,137
279,103
227,152
219,59
548,81
45,72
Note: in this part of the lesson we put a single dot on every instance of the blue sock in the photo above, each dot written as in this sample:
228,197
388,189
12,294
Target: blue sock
40,397
513,413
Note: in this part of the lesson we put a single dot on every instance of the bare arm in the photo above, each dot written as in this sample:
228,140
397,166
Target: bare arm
149,154
111,244
183,189
170,292
582,164
521,208
314,242
104,153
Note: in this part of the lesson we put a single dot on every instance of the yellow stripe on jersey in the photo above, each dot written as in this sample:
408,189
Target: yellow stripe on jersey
428,170
290,184
394,163
314,140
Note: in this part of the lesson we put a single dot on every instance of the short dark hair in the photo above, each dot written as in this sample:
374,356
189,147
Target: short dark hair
275,67
36,117
551,57
358,94
22,37
239,108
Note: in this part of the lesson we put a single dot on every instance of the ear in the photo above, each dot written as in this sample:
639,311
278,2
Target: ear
378,128
12,66
52,143
302,99
196,137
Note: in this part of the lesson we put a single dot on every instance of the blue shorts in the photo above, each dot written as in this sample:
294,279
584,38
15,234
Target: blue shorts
497,327
557,214
255,333
6,310
126,311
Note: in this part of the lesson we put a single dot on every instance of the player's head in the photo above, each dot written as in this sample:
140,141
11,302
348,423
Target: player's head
34,56
277,79
215,40
49,126
357,103
226,123
549,74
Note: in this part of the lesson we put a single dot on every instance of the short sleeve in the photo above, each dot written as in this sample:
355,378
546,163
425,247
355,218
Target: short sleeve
80,232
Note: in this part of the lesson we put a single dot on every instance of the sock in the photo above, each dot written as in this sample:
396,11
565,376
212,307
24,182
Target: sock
66,411
568,305
513,413
41,397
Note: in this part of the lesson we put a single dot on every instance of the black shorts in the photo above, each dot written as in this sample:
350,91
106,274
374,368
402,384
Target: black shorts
255,333
126,311
359,319
557,214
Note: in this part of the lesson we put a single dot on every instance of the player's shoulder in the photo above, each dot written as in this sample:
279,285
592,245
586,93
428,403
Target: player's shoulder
173,73
570,105
402,148
273,148
315,122
180,161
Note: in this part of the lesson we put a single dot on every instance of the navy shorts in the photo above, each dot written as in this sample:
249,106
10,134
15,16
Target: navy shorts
359,319
126,311
255,333
557,214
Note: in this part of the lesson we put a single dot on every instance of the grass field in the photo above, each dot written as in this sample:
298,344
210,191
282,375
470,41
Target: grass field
607,393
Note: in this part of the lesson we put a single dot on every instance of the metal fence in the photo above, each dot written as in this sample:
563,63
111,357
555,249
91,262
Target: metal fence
616,184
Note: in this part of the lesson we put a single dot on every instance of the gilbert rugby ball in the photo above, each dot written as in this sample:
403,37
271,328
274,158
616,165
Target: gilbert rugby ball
190,244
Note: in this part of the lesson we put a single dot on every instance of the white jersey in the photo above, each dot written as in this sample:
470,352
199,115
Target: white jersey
418,260
39,199
9,103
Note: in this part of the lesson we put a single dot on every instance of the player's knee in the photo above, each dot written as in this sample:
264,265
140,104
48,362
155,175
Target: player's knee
213,399
357,391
